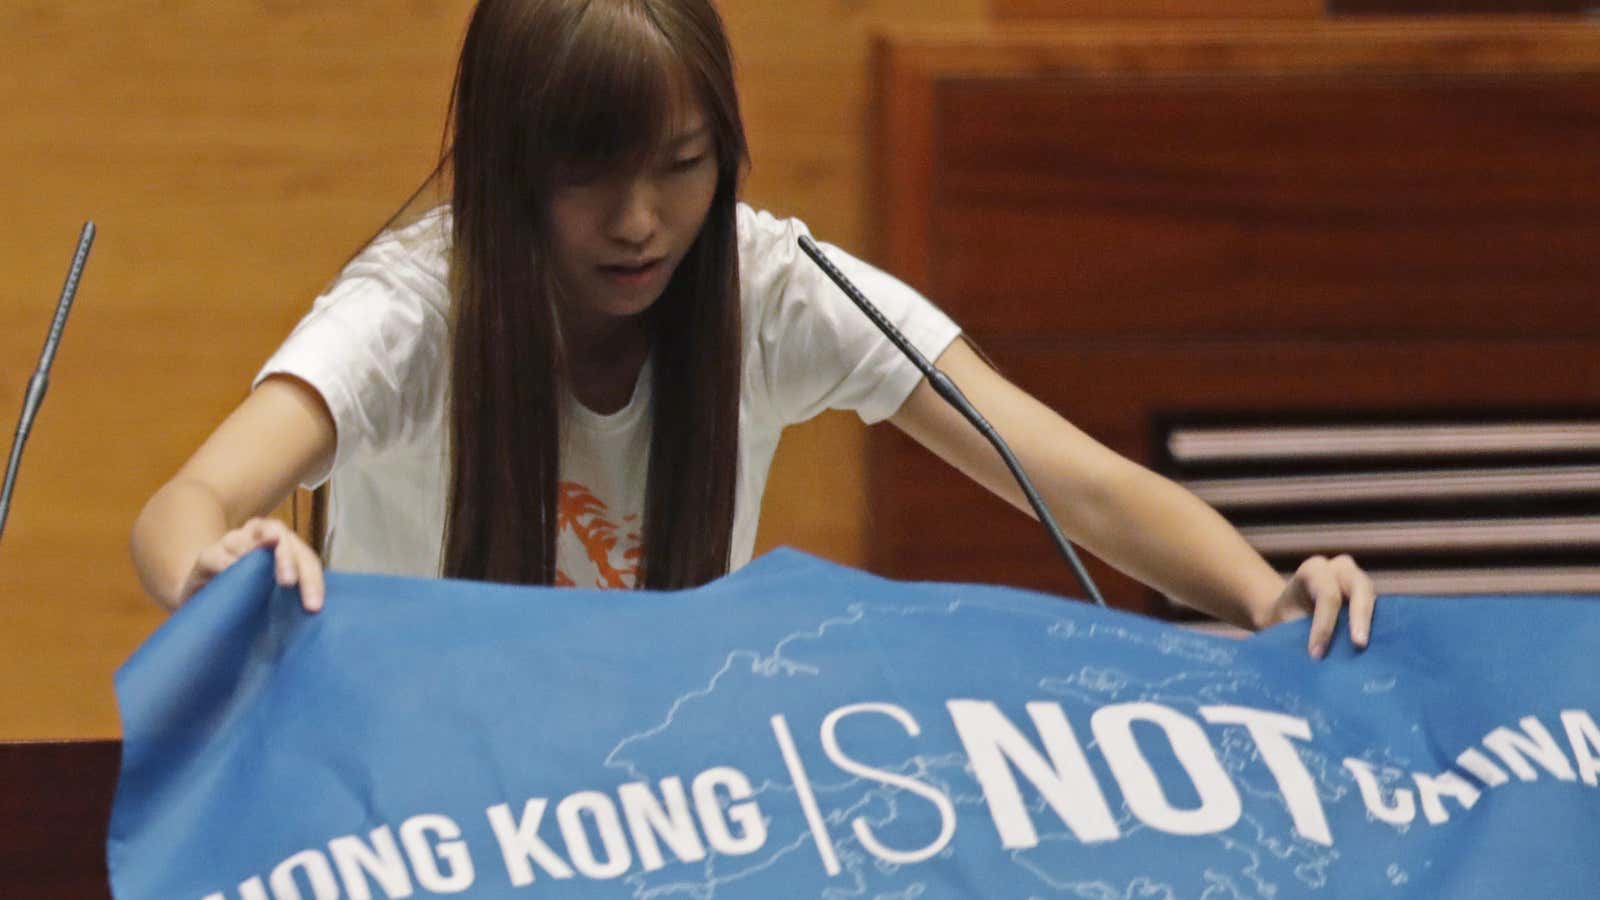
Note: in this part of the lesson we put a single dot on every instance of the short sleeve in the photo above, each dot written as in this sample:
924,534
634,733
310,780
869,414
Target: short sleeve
375,343
815,349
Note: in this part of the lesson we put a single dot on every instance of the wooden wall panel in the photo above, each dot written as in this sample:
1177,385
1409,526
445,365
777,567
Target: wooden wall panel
1155,9
1238,186
1458,7
1228,219
234,153
1044,10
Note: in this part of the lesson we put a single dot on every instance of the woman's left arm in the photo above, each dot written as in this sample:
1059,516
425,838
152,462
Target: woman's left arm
1134,519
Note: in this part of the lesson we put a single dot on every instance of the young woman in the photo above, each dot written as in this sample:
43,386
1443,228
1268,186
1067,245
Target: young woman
576,369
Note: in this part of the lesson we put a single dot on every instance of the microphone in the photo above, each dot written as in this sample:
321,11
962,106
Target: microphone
41,374
952,394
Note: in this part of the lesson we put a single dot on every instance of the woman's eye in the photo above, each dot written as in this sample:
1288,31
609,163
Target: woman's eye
687,163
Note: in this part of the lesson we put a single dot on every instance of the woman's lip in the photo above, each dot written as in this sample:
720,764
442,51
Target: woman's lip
631,267
635,274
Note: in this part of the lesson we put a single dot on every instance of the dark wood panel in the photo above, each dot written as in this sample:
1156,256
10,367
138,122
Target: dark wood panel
1458,7
1116,391
1154,9
1270,204
55,806
1242,219
914,67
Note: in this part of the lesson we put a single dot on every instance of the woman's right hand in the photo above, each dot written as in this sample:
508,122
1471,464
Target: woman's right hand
294,560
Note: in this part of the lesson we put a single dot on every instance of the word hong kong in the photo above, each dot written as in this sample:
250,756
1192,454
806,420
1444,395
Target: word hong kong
604,836
715,814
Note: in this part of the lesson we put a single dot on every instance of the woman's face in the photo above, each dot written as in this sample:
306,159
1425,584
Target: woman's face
619,235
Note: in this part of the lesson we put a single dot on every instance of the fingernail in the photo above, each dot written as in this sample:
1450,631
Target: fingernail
1361,637
1317,650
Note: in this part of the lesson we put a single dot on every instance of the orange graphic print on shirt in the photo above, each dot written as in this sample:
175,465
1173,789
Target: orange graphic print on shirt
607,551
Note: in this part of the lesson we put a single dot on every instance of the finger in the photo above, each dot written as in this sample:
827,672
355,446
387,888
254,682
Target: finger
269,531
313,589
1294,603
239,541
1357,586
215,559
1326,598
256,529
285,563
272,533
247,537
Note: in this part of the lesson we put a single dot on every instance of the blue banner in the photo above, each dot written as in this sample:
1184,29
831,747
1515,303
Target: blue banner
799,729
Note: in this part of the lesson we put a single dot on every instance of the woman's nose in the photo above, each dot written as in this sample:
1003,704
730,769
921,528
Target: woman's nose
635,216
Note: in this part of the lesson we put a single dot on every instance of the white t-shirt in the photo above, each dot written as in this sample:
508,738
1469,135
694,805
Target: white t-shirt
376,346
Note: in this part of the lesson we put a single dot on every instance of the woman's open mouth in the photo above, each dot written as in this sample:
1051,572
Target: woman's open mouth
630,274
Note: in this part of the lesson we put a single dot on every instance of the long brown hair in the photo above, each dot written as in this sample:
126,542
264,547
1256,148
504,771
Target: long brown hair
542,84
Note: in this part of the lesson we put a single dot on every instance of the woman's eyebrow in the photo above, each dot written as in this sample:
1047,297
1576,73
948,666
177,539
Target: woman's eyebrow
685,137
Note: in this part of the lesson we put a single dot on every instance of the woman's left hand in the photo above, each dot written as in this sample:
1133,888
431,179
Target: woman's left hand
1319,587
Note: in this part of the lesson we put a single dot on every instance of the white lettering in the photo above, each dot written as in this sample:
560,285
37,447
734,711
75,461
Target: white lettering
1537,743
1401,812
425,855
947,812
1482,768
1584,737
647,819
315,866
521,846
355,860
820,838
1430,788
1271,732
746,815
1061,776
1219,805
599,807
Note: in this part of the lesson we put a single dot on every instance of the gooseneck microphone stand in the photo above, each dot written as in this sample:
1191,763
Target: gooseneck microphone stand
952,394
41,374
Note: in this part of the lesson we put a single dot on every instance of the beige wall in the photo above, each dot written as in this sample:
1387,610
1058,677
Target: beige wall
233,153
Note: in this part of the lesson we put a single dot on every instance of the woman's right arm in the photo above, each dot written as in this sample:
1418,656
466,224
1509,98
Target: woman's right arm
212,512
